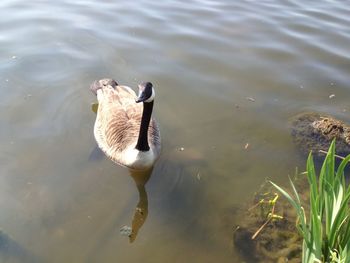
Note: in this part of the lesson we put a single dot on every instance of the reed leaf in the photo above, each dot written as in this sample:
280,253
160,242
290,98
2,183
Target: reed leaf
326,237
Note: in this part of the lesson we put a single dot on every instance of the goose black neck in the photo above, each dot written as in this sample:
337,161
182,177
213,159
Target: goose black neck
142,143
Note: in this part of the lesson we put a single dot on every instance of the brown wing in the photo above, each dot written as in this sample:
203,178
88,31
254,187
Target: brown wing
118,119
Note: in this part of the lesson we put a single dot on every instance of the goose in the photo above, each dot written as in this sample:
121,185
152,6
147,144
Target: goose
124,129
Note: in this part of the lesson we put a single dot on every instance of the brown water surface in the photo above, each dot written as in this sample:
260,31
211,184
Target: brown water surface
227,74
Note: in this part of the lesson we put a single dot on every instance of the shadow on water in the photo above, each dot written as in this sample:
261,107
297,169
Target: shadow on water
96,154
11,251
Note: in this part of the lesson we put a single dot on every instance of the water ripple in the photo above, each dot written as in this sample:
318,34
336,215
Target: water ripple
205,58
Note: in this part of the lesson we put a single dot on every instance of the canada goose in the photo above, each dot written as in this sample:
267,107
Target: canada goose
124,129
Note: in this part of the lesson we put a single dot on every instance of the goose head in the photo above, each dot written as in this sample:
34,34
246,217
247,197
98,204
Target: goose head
146,93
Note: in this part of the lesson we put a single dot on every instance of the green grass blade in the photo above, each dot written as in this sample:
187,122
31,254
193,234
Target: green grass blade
337,201
311,176
343,213
346,234
340,172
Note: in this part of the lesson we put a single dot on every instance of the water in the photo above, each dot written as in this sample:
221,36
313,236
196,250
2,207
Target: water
227,74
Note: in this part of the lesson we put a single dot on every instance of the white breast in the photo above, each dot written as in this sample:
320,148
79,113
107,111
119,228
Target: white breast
136,159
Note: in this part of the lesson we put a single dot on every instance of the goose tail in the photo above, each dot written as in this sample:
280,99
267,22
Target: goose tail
96,85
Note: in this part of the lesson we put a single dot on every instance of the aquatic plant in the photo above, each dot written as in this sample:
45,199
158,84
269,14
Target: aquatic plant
326,234
270,205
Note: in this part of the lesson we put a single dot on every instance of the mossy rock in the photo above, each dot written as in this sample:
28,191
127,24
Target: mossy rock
315,132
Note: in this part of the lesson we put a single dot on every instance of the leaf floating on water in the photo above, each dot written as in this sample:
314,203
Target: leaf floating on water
94,107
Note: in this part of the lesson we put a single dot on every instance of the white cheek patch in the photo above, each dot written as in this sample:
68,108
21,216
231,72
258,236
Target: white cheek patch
152,96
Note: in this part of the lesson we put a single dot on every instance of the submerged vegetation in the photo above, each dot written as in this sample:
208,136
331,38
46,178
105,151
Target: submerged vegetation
266,230
326,231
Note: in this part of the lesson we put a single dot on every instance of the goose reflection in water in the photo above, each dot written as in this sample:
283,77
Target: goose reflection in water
140,178
141,210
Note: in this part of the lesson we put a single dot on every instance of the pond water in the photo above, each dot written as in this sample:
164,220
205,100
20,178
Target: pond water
228,76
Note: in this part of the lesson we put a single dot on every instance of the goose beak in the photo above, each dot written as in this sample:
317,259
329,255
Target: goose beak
141,97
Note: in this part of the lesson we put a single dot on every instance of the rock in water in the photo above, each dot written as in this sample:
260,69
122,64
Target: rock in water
314,132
